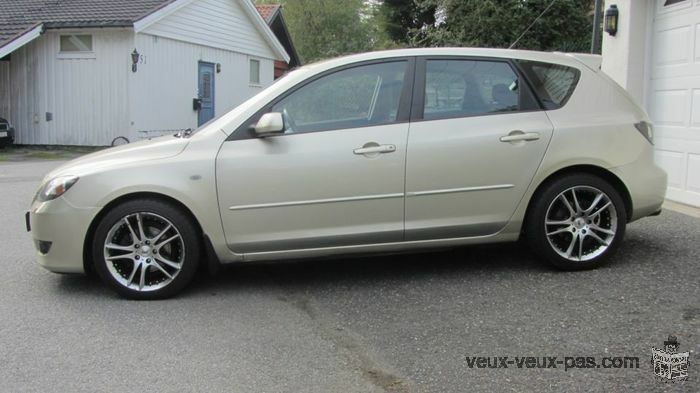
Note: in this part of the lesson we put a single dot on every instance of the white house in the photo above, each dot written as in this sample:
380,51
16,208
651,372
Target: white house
84,72
655,55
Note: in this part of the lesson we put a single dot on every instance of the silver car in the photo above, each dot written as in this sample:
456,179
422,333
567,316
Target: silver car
377,152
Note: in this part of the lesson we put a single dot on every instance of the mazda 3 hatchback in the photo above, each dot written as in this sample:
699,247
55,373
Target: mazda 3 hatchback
377,152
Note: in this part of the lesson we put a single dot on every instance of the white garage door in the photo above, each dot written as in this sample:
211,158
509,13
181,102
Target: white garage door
674,95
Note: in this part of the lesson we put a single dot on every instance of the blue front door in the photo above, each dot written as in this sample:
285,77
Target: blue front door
206,92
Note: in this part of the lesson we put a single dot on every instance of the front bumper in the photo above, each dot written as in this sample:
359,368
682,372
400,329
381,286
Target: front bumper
63,226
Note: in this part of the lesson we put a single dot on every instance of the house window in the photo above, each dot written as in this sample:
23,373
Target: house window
254,72
76,43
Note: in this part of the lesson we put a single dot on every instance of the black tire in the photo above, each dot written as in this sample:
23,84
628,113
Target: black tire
554,248
120,141
187,247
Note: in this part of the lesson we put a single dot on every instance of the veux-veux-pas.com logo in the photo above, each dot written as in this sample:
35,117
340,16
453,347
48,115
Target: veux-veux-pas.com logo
669,364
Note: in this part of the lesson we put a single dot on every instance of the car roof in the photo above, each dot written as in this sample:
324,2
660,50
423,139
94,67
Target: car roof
573,60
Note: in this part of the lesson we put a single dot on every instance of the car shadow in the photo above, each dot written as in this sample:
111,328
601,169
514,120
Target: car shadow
371,271
81,285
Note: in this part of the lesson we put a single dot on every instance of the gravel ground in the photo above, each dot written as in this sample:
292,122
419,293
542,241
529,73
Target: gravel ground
402,323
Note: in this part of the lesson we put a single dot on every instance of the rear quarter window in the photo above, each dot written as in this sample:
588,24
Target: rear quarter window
553,83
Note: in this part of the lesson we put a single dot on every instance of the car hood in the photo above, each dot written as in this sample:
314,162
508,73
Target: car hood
153,149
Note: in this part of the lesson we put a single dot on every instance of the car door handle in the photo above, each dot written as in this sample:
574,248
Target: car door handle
375,149
516,136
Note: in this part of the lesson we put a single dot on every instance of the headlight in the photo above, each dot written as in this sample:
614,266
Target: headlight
55,188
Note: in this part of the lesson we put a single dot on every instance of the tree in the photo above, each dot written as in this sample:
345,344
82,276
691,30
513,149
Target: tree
404,20
329,28
498,23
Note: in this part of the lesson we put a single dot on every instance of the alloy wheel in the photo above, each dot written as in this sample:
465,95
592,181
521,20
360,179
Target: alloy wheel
144,251
581,223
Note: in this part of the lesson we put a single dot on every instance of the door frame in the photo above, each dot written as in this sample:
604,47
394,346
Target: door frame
201,63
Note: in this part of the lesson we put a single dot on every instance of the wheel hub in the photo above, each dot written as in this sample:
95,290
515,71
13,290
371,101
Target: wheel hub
581,223
144,251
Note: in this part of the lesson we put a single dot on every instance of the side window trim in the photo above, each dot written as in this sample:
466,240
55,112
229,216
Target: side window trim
418,107
530,87
404,110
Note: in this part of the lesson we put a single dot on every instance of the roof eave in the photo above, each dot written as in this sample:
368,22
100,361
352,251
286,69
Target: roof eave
275,14
294,55
265,30
22,39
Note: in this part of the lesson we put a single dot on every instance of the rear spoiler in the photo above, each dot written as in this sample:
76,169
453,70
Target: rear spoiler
591,61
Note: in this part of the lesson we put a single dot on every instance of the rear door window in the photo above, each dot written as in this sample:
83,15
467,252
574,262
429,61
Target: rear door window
461,88
553,83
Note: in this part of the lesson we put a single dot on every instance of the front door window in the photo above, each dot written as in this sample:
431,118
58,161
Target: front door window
357,97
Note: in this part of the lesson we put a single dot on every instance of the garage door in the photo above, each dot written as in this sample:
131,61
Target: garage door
674,95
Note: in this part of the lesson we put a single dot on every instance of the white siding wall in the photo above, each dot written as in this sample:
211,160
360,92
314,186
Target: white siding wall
4,89
87,97
221,24
166,82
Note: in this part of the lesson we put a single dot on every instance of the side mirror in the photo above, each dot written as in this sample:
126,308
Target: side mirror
269,124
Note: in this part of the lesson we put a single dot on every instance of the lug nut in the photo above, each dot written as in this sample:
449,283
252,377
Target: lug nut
147,242
138,257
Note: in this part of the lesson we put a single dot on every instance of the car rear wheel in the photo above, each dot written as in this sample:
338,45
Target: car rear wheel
146,249
577,222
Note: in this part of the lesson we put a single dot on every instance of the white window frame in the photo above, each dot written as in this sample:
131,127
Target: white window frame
662,8
77,54
665,3
250,70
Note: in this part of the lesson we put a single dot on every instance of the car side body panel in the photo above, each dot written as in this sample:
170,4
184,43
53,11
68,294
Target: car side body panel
188,179
596,128
449,191
311,190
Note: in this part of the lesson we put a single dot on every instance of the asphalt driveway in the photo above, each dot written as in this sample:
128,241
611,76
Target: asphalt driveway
406,323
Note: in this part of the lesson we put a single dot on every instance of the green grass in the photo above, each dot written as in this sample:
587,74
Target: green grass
33,153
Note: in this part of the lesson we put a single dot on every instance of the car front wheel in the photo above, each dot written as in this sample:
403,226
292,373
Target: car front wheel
146,249
577,222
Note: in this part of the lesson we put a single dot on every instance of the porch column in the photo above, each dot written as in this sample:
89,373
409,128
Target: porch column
624,55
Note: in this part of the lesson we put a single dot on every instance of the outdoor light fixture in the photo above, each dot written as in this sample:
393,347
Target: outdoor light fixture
135,56
611,17
218,68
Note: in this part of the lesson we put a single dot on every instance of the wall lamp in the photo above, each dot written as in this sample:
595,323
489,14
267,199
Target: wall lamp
611,18
135,56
